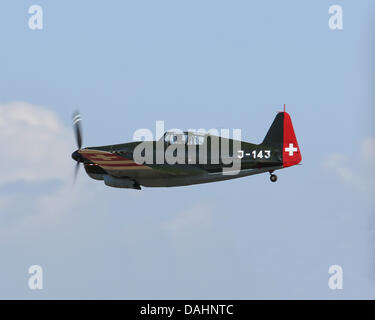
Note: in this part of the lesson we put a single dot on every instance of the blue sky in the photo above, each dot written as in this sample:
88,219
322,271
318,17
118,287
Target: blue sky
193,64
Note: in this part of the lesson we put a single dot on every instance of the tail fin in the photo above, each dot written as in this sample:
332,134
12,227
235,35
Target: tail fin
281,136
275,134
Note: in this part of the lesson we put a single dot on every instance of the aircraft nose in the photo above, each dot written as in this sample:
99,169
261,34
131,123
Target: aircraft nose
76,156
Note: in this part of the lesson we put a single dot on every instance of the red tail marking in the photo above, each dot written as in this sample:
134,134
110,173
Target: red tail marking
291,151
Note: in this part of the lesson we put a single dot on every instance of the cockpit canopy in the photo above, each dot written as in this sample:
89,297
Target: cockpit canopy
187,137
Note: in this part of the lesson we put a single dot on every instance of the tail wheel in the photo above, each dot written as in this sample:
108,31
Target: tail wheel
273,177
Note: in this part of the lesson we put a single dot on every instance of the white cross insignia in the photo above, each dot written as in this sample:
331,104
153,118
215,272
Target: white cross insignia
291,149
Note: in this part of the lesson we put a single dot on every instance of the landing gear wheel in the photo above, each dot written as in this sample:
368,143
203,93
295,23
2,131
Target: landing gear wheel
273,177
137,186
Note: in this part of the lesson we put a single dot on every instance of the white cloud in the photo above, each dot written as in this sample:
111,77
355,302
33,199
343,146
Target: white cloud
36,148
35,145
337,163
36,151
362,174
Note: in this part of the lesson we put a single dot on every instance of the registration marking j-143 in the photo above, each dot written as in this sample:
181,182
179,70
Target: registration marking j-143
255,154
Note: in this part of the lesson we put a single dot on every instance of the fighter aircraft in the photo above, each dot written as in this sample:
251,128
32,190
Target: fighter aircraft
118,166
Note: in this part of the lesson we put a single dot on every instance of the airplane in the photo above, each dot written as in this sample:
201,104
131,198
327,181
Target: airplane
117,167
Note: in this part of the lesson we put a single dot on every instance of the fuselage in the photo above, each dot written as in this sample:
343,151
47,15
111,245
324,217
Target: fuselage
118,162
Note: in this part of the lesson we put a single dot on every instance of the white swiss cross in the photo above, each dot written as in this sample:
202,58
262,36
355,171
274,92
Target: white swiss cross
291,149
